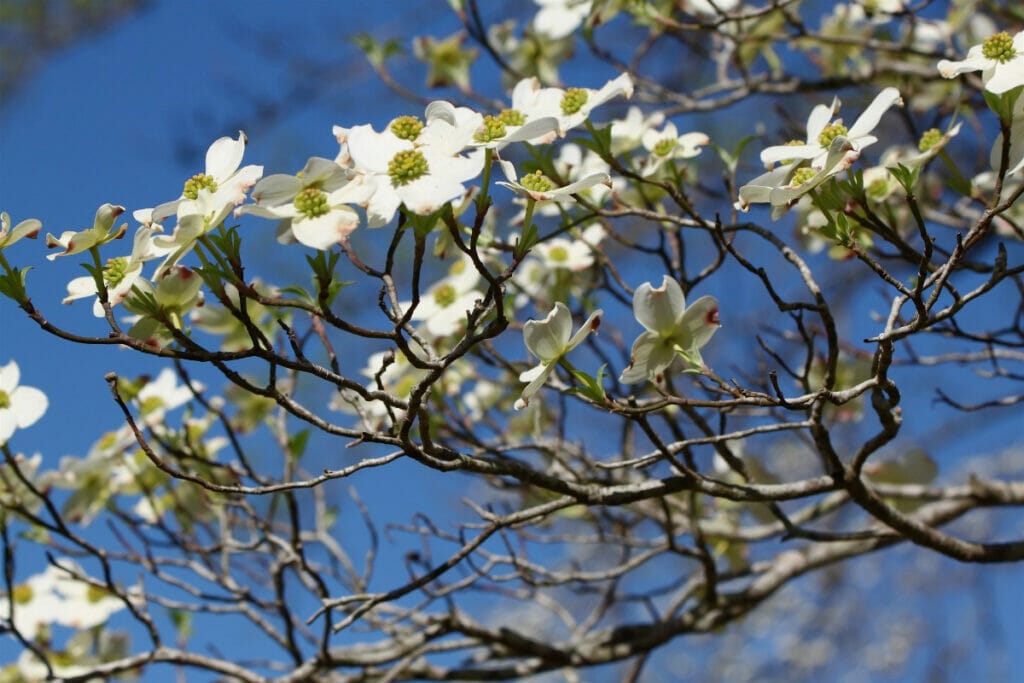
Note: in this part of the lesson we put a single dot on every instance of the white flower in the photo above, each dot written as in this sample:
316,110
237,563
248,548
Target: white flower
571,107
119,274
781,186
672,329
1000,59
821,133
20,406
538,187
220,188
101,232
709,8
550,339
313,205
36,604
416,164
668,144
559,18
628,133
443,307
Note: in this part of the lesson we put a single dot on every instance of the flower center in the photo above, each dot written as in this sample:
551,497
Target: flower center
831,132
22,594
536,182
200,181
445,295
802,175
999,48
493,129
878,188
573,100
558,254
406,127
5,399
115,270
512,117
407,166
664,147
94,594
312,202
929,139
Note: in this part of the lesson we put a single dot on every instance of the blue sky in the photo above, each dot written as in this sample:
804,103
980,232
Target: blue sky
124,117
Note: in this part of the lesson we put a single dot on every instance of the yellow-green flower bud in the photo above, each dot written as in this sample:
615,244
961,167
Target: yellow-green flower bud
200,181
493,129
802,175
512,117
929,139
999,47
445,295
573,100
407,166
536,182
406,127
312,202
831,132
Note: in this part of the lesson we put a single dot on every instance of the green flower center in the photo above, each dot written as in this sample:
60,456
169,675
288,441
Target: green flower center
831,132
115,270
573,100
493,129
512,117
5,399
445,295
22,594
878,188
999,48
664,147
929,139
558,254
200,181
407,166
94,594
802,175
406,127
536,182
312,202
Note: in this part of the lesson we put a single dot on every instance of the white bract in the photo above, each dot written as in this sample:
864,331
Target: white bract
549,340
29,227
571,107
1000,59
559,18
672,330
20,406
101,232
821,131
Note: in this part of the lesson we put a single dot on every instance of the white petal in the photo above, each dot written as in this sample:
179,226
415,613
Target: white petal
224,156
28,405
9,375
325,231
547,339
659,309
873,114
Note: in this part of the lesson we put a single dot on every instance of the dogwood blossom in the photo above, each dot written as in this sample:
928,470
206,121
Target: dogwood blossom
119,274
628,132
559,18
821,133
549,340
443,306
1000,59
420,165
782,185
571,107
313,205
669,144
220,188
538,187
20,406
101,232
672,329
29,227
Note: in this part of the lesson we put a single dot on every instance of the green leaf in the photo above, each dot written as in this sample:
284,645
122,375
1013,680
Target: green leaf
297,444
